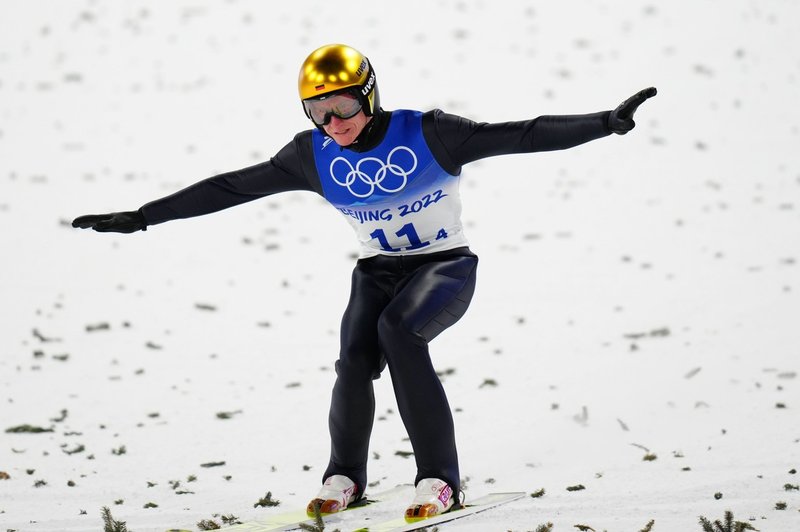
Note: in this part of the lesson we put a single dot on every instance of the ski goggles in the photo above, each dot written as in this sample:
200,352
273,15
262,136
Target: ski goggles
343,105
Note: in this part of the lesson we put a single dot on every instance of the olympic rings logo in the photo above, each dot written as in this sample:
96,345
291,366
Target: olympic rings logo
388,176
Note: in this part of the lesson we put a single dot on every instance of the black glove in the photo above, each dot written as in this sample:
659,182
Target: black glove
115,222
620,121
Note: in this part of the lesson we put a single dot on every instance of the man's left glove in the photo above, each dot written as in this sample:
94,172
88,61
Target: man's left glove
115,222
620,121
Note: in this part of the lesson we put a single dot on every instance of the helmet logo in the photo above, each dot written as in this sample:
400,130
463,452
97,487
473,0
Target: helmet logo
381,179
370,83
319,87
361,68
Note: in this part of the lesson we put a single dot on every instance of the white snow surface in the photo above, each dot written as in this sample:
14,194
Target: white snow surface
637,296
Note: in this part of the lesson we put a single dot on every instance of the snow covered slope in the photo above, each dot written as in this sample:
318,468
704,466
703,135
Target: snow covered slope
634,331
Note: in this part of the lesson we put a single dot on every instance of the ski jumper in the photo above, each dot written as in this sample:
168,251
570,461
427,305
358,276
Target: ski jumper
415,276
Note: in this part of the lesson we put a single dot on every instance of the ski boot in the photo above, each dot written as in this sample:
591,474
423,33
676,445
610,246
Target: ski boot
433,497
336,493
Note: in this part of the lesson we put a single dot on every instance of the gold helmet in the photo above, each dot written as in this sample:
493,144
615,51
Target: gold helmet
335,69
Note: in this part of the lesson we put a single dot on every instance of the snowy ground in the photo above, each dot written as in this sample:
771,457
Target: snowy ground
638,296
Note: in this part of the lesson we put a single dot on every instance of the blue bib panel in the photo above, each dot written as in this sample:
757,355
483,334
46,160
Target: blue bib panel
396,196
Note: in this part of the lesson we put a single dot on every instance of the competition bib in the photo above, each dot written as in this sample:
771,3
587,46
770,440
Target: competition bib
396,196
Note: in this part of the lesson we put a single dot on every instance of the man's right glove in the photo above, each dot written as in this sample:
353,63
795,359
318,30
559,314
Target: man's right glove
115,222
620,121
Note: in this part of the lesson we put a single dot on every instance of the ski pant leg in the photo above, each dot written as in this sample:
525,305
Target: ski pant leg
432,298
352,409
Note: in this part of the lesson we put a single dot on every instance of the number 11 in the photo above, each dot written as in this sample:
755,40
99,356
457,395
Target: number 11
407,231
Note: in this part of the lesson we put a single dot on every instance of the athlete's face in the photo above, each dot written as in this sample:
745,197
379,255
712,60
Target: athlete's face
344,131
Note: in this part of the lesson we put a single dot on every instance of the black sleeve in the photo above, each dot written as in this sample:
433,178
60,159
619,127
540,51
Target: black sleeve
456,141
288,170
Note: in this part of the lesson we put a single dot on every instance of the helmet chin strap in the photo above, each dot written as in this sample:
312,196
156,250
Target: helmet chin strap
367,131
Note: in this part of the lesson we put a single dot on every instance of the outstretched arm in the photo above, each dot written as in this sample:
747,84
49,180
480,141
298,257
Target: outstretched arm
456,141
282,173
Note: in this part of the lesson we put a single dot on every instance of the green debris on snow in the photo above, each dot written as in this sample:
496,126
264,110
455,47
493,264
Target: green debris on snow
319,524
110,524
729,525
266,501
27,429
649,526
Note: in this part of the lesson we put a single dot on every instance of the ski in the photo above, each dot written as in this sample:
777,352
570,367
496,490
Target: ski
291,520
480,504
